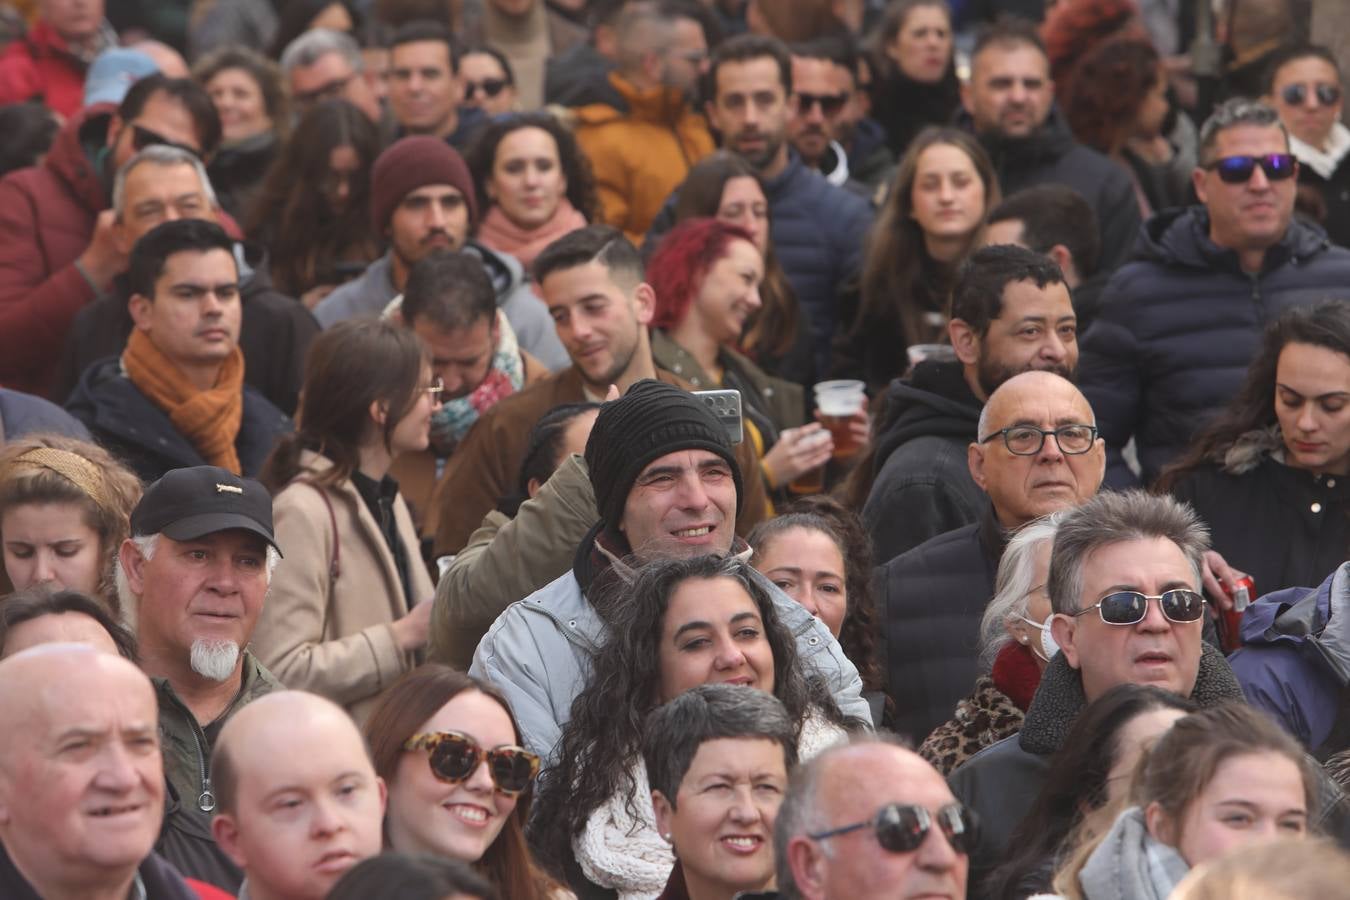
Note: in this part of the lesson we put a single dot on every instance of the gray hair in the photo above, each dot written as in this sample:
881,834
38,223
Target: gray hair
163,156
309,47
1232,113
147,545
1013,584
708,712
1112,518
802,812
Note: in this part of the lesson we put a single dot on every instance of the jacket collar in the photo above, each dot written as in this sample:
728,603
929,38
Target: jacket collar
1060,699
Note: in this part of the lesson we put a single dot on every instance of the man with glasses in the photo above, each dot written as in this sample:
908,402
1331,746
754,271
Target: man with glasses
1125,577
642,145
161,184
1009,104
323,64
1036,452
58,242
828,127
298,802
872,819
1179,325
1304,86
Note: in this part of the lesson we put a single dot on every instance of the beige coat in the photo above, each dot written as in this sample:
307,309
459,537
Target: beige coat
333,637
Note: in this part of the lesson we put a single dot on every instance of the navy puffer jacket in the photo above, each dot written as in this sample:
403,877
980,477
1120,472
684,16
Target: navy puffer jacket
1179,326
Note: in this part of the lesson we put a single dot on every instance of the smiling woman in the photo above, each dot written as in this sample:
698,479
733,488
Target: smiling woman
681,624
706,274
1271,474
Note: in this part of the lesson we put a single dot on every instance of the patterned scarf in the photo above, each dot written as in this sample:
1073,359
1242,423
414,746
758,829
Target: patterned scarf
208,419
506,376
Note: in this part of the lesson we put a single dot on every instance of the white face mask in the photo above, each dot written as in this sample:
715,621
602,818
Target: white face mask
1048,646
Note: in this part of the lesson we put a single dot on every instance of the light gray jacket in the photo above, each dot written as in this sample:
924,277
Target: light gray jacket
538,653
369,294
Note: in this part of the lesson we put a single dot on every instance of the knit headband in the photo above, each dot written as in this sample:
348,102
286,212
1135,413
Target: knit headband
71,466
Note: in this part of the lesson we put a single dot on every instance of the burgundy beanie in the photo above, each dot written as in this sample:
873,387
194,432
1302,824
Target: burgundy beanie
411,163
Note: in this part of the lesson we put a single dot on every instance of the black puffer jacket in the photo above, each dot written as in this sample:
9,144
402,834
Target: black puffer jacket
1285,527
1179,326
1001,782
922,486
1052,156
930,602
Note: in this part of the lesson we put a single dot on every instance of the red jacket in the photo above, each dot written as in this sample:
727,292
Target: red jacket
47,216
40,66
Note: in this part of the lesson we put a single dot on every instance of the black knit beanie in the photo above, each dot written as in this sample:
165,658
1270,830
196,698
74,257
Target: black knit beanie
651,420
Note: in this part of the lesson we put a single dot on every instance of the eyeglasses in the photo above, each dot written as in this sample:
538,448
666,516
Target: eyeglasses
436,389
1027,440
1238,169
327,91
1130,607
1327,94
490,87
830,104
142,137
454,757
902,827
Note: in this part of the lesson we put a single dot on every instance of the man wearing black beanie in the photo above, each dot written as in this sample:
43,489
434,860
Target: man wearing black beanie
667,485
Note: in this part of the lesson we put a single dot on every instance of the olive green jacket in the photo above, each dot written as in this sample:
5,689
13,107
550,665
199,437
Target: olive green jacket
185,839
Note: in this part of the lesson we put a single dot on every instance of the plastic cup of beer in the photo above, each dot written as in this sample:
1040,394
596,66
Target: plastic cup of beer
917,353
838,402
812,482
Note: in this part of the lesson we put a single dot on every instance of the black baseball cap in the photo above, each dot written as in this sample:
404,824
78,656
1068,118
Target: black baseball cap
186,504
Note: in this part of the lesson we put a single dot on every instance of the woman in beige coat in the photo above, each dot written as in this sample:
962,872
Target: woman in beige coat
350,605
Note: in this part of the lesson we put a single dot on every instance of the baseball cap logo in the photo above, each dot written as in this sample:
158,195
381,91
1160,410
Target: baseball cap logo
222,488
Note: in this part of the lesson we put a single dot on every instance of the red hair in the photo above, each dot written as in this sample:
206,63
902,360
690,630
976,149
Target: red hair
1074,27
1108,88
682,260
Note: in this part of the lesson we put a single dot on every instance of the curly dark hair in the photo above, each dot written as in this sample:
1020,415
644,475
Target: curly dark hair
1325,324
1108,88
820,512
291,215
603,739
482,156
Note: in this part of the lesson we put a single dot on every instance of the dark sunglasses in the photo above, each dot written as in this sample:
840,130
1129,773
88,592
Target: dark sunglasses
142,137
1130,607
830,104
490,87
902,827
454,757
1238,169
1327,94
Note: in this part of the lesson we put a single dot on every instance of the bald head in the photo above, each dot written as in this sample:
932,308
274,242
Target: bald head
298,799
851,784
81,777
1024,482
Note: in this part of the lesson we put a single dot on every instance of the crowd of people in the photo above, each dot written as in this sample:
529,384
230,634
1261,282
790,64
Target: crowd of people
672,450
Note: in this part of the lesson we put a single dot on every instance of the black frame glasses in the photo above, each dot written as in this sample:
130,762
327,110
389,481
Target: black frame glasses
454,757
1327,94
903,827
1239,169
329,90
490,87
1017,437
1179,605
830,104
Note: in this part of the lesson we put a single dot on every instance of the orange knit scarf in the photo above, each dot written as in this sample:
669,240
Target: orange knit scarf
208,419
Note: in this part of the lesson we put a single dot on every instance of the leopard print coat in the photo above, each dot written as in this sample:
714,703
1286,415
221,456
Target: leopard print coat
985,717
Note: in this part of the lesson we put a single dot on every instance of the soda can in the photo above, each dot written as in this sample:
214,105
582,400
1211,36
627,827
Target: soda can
1242,592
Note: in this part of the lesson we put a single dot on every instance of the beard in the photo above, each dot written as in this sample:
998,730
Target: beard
992,373
214,660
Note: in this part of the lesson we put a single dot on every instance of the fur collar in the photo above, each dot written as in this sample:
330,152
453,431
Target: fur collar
1060,699
1252,448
